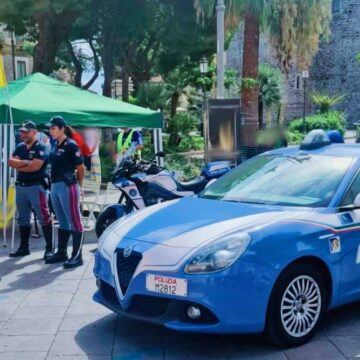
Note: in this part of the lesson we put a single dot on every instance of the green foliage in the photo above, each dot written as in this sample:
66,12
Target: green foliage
230,78
332,120
295,27
107,165
191,143
152,95
294,137
357,57
28,47
325,101
248,83
270,81
188,168
183,123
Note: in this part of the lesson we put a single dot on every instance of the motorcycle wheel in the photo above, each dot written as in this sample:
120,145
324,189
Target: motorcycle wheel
105,218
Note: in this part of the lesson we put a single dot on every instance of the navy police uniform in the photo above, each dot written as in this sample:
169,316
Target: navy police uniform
32,193
65,198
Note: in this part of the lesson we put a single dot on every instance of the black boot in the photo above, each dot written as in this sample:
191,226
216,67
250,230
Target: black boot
76,256
61,253
23,249
48,236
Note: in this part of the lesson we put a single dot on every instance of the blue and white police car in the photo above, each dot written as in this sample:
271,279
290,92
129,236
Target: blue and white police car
269,247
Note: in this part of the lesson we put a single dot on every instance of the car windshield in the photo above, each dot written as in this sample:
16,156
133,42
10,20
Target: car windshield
307,180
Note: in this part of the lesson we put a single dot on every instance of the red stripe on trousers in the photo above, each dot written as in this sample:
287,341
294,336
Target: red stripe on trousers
74,209
44,208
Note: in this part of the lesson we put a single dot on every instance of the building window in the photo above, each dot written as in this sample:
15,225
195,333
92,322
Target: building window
336,6
298,82
20,69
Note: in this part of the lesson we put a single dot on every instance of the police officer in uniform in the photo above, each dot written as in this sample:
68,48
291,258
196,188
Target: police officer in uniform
124,140
67,173
30,160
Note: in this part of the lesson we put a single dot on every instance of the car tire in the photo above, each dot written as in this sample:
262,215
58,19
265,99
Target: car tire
296,306
105,218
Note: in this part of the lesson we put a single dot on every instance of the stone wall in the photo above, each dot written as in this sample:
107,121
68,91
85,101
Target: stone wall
333,71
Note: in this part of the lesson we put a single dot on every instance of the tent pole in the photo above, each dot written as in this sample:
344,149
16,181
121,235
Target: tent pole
2,167
5,189
8,150
160,145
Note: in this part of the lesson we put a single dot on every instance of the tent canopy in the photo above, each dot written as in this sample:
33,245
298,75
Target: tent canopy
39,97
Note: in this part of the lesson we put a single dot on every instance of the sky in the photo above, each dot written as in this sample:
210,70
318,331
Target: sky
87,74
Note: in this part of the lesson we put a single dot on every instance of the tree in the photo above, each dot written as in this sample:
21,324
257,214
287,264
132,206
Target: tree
152,95
177,82
270,80
50,23
325,101
294,27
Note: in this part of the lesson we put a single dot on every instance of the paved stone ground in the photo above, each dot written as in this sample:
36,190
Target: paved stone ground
48,313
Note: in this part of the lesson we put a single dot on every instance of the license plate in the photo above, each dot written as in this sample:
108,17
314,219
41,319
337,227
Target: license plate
166,285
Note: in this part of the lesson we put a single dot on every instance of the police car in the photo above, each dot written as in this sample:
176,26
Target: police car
269,247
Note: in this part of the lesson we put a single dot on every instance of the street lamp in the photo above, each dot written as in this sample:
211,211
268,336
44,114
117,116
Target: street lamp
305,75
203,70
220,31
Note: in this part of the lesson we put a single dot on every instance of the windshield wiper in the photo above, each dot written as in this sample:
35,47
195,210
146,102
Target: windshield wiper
253,202
244,201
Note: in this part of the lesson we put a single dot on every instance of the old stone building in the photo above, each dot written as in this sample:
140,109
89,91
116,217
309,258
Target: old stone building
21,63
334,69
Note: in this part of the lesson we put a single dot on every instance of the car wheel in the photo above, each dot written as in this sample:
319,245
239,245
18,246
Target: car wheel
296,306
106,218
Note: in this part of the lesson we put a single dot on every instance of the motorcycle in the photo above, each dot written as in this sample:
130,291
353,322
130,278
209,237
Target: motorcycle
144,183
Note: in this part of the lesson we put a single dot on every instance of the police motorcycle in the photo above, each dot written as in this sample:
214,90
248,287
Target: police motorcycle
144,183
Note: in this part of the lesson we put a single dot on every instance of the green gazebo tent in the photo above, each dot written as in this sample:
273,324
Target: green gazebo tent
39,97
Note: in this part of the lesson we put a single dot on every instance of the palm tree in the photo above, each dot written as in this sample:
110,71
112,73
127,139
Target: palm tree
177,82
325,101
270,81
294,27
153,95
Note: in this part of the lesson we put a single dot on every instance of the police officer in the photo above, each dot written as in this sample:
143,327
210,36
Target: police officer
67,173
124,140
30,160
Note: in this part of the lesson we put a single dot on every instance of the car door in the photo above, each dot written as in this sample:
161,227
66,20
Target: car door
349,237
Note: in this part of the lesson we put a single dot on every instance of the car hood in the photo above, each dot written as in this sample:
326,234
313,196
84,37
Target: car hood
191,222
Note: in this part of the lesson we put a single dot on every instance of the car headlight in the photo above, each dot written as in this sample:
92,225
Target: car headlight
219,255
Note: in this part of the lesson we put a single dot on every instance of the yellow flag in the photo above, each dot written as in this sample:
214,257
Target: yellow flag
2,73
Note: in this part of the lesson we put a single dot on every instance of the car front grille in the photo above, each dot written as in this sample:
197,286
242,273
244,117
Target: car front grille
126,267
148,306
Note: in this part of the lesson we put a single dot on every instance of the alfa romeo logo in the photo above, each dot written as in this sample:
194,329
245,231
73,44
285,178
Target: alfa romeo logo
127,251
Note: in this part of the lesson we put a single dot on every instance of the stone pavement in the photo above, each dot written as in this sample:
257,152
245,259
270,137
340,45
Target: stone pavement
48,313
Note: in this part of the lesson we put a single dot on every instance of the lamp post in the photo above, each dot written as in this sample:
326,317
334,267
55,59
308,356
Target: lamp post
220,15
203,70
304,75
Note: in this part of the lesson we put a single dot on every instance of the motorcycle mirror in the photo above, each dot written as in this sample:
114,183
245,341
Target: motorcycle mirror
160,154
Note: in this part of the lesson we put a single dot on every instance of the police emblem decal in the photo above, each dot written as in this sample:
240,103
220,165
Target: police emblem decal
335,245
127,251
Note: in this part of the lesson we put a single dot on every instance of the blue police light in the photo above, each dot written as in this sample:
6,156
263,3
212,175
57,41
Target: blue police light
315,139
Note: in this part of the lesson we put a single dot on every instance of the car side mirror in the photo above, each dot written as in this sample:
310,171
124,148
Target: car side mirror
354,206
357,201
210,183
